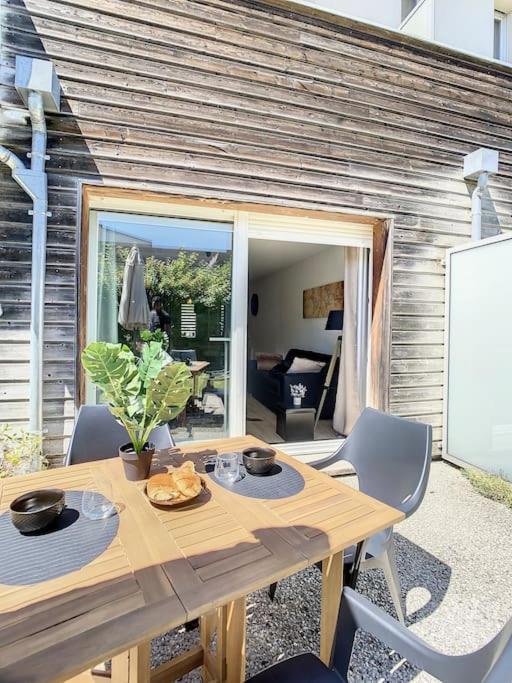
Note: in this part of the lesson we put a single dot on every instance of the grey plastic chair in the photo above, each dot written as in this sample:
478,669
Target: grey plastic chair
97,436
491,664
391,457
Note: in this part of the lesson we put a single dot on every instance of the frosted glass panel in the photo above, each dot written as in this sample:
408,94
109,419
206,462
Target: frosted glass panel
479,409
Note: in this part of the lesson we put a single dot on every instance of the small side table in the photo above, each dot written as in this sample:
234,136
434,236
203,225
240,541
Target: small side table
296,424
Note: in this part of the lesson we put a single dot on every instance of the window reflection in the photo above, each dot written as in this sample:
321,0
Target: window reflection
169,280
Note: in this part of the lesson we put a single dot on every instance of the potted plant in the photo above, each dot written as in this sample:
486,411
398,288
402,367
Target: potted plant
298,391
142,393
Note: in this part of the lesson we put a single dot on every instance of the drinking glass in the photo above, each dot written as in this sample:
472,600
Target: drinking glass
227,467
97,500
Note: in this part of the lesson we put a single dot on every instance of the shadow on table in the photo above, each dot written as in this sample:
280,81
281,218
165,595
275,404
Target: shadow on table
213,575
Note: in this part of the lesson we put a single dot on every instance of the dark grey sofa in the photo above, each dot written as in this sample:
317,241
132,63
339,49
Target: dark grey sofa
272,387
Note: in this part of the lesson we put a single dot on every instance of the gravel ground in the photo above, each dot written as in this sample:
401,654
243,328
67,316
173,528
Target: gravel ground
455,563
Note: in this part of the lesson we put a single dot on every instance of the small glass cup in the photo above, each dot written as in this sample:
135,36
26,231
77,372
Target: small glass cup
97,500
227,467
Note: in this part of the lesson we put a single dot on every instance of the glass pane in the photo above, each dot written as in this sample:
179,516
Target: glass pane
497,38
480,363
185,301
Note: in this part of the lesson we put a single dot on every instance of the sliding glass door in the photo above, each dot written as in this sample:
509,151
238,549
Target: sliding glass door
167,279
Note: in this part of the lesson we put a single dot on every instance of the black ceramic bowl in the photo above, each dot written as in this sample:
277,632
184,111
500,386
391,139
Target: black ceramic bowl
36,510
259,460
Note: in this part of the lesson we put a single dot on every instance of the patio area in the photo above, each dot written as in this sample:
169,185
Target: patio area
456,576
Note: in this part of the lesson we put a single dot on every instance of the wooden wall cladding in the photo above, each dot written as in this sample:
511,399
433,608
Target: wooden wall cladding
239,100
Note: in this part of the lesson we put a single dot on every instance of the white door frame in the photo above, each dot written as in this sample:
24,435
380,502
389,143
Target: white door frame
246,225
310,231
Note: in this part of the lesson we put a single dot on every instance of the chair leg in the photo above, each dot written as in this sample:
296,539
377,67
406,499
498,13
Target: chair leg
388,564
272,591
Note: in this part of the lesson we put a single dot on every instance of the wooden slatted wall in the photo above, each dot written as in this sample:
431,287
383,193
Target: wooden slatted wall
240,100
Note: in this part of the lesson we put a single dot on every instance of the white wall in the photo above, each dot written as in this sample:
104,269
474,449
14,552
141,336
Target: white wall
466,25
420,22
386,12
279,325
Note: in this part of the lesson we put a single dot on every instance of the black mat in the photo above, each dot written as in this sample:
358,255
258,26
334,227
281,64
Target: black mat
281,482
69,544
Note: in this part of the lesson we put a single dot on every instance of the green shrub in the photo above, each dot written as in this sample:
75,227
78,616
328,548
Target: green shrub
20,451
491,486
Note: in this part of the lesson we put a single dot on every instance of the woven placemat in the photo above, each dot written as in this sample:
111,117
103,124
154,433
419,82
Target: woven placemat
281,482
69,544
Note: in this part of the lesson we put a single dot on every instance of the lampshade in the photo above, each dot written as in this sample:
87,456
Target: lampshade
334,320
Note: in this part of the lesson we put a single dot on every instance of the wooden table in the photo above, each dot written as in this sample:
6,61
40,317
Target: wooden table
196,367
169,566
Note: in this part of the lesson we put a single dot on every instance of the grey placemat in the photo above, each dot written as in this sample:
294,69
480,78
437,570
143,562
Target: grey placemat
281,482
69,544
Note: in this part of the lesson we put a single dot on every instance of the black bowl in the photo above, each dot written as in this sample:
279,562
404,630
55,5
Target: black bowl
259,460
36,510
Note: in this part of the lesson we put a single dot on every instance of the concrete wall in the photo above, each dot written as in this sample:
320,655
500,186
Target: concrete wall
421,22
386,12
279,324
466,25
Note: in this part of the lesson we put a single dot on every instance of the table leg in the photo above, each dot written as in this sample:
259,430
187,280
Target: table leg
332,586
209,670
231,629
133,666
353,570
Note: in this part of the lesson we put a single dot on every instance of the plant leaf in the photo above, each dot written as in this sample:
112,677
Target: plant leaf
169,392
112,367
152,360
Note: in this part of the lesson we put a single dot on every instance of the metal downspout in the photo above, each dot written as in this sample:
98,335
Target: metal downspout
33,181
476,206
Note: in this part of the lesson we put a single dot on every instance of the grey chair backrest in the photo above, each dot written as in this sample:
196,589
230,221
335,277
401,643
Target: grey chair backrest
184,354
391,457
97,435
491,664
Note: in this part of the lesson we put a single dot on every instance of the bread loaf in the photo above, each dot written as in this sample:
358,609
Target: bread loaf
162,487
186,479
180,484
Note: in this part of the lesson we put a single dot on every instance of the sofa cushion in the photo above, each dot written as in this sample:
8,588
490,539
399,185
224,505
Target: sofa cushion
301,365
282,368
266,361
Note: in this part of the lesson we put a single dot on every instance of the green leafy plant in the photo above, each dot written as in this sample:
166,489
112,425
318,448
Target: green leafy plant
158,336
186,275
20,451
141,393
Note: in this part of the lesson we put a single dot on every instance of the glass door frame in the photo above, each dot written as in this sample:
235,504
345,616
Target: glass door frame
293,226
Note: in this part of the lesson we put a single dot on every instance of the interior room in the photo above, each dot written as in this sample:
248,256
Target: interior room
294,325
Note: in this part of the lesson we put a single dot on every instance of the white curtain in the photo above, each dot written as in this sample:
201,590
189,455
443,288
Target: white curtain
351,393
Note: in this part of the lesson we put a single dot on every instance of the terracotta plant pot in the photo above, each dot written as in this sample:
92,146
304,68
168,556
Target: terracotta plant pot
136,467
